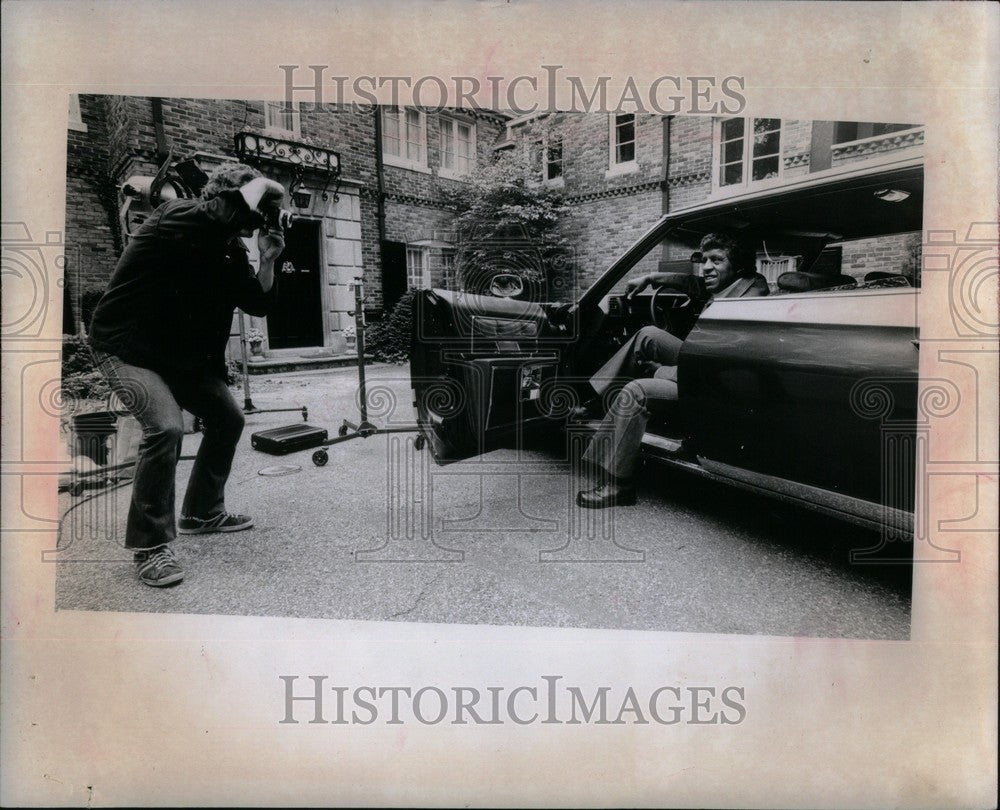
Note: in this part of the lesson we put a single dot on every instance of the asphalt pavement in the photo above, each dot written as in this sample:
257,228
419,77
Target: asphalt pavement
382,533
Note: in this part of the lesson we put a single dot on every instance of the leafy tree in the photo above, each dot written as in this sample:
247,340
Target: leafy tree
508,224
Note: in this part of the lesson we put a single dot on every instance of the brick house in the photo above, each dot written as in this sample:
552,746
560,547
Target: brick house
621,172
384,217
388,219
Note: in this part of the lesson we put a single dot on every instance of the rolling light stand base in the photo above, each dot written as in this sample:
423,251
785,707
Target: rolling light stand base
363,429
349,430
250,408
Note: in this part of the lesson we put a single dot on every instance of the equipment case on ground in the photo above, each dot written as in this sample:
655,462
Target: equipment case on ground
288,439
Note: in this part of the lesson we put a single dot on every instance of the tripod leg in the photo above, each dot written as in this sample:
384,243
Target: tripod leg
247,402
359,328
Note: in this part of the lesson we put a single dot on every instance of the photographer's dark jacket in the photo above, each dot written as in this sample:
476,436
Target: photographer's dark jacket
169,305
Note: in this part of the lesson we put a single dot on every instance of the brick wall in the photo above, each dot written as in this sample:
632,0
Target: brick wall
899,253
92,237
610,210
121,140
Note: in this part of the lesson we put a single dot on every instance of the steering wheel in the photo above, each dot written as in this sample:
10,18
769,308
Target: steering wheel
663,301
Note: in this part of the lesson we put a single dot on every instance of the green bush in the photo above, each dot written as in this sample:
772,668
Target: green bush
80,377
89,296
388,340
234,373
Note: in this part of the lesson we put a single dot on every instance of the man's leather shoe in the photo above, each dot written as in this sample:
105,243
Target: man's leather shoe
606,495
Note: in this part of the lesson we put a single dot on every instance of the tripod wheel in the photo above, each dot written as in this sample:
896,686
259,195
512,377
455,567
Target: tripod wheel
342,430
320,457
419,442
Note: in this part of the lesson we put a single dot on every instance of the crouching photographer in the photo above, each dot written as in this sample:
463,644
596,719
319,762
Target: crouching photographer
159,336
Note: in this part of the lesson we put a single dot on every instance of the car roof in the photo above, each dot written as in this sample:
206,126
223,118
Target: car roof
836,204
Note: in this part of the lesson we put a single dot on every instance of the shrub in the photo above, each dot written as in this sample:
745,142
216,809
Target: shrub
234,373
80,377
388,341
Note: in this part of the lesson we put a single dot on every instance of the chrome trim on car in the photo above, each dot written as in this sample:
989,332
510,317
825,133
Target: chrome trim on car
872,513
887,307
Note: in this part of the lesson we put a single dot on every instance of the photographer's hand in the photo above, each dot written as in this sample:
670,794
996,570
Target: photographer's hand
260,188
270,244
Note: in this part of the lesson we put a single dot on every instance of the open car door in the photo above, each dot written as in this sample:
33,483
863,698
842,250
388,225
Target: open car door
482,369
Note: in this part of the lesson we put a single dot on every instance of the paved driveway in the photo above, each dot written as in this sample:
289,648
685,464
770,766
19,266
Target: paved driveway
381,533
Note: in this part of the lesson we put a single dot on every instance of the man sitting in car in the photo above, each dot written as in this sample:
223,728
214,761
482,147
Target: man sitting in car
649,363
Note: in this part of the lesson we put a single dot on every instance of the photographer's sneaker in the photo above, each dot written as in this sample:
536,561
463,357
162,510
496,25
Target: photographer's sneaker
223,522
158,566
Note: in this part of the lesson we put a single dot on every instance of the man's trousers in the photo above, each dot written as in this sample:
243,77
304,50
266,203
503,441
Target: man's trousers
647,350
155,399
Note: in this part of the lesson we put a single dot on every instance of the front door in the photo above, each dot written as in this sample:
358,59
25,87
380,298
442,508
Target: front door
297,318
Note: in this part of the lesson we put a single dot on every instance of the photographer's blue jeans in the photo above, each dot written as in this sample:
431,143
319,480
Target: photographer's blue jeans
156,399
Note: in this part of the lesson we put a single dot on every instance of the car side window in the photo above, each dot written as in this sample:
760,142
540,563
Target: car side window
875,263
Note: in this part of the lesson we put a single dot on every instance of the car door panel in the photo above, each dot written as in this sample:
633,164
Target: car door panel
808,388
479,369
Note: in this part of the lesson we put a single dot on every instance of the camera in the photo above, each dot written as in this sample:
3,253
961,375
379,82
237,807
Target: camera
276,218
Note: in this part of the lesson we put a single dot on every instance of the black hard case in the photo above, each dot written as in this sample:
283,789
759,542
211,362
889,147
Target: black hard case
288,439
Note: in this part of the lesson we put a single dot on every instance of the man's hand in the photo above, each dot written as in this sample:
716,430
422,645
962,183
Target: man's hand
636,286
262,189
270,244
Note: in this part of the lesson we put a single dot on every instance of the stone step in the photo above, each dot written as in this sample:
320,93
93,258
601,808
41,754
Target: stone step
279,363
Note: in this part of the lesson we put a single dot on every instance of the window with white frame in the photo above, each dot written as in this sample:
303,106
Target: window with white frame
458,146
448,278
545,159
418,271
404,137
282,118
622,139
75,117
748,150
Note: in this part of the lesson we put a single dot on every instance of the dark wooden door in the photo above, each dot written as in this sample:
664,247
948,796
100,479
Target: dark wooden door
297,318
393,273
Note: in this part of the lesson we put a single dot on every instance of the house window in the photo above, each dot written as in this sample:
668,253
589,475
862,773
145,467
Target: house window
448,278
404,138
748,151
535,150
554,158
281,118
458,146
847,131
75,118
545,159
621,142
418,271
770,267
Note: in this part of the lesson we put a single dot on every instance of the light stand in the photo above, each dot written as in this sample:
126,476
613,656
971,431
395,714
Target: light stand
363,429
248,406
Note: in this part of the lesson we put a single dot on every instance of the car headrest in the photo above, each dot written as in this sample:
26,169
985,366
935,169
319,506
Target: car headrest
807,282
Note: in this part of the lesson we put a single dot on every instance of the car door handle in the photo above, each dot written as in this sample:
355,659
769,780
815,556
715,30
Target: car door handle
916,344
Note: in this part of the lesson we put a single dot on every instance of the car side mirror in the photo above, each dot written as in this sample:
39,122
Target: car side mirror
506,285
